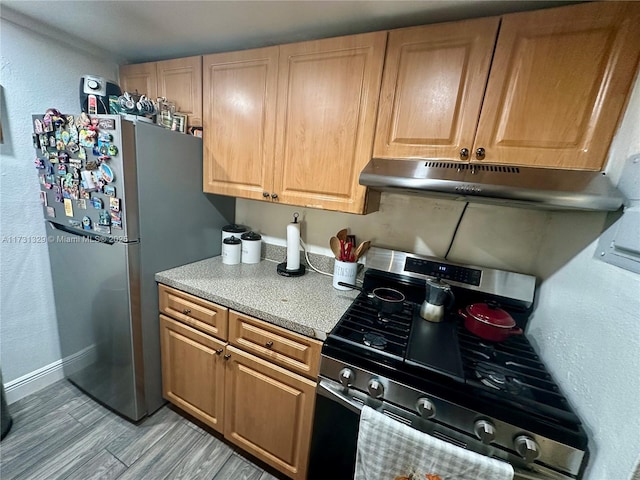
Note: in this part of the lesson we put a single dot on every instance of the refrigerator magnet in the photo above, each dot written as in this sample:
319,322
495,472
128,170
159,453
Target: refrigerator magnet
86,223
68,207
114,204
58,190
75,223
39,163
43,198
65,137
97,203
38,127
51,212
107,173
113,150
87,180
82,155
103,229
116,224
109,190
91,165
82,203
62,169
104,218
107,123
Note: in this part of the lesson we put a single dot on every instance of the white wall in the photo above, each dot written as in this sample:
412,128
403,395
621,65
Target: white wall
36,73
586,325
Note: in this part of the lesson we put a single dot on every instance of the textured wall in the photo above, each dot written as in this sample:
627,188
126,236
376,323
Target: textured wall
36,73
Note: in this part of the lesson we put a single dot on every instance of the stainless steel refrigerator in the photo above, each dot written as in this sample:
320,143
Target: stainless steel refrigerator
131,207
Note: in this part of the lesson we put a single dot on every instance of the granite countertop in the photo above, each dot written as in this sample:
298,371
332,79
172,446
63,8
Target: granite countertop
308,305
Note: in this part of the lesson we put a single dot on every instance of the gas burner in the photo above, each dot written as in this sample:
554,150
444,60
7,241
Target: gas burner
374,340
492,377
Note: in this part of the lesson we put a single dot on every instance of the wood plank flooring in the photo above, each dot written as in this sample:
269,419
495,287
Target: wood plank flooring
61,433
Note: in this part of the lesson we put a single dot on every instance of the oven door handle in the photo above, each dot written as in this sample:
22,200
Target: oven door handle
334,392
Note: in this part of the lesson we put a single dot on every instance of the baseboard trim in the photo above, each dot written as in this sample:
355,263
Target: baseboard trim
49,374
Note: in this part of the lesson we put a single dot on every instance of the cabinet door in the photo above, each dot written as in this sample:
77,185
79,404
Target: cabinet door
558,85
432,89
192,371
141,78
239,122
327,104
180,81
269,412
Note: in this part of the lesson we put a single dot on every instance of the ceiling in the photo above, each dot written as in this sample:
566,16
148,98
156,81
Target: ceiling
147,30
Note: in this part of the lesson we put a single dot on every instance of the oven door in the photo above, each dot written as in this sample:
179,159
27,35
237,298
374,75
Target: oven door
335,434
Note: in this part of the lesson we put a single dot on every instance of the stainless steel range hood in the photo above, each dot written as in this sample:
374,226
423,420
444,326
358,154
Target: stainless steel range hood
517,186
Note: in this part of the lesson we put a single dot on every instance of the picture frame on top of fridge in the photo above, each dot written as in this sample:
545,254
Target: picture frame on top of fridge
179,122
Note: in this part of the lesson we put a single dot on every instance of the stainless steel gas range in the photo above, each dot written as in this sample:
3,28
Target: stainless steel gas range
494,398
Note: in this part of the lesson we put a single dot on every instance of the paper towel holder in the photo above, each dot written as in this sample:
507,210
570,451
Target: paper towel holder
282,267
282,270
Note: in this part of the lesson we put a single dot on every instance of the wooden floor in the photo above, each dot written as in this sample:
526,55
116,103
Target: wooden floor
60,433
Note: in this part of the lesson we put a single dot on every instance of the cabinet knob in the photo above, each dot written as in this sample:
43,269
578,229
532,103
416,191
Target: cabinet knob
219,351
269,344
227,356
265,194
464,154
274,195
186,311
480,153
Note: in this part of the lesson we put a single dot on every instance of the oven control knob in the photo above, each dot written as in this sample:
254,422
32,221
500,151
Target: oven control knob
376,389
426,408
485,431
346,377
527,448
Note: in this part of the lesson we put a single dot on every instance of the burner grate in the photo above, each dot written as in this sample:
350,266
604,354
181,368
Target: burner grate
364,325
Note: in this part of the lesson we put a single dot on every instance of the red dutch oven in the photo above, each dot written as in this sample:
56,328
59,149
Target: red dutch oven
489,321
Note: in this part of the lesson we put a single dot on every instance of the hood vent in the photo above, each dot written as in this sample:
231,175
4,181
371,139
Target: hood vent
530,187
473,167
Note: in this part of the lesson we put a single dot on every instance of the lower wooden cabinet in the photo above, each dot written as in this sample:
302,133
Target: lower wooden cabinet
260,393
269,412
193,371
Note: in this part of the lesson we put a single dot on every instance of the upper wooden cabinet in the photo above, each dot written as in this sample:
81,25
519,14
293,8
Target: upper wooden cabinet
327,105
293,124
558,85
555,91
178,80
140,78
432,89
239,121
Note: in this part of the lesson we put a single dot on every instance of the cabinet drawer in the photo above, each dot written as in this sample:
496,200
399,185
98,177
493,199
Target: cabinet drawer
292,351
196,312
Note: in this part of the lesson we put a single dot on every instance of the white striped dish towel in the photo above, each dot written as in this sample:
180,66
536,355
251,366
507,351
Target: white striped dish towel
388,450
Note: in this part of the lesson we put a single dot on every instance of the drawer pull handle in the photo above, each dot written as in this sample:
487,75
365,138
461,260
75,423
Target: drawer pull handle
219,351
269,344
186,311
227,356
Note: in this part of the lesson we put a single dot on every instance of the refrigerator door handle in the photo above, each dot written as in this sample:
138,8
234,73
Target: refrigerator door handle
89,235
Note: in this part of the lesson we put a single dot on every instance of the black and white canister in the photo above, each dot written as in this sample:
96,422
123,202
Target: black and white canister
231,250
251,247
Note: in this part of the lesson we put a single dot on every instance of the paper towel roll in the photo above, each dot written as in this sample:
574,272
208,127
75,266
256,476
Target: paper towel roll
293,246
